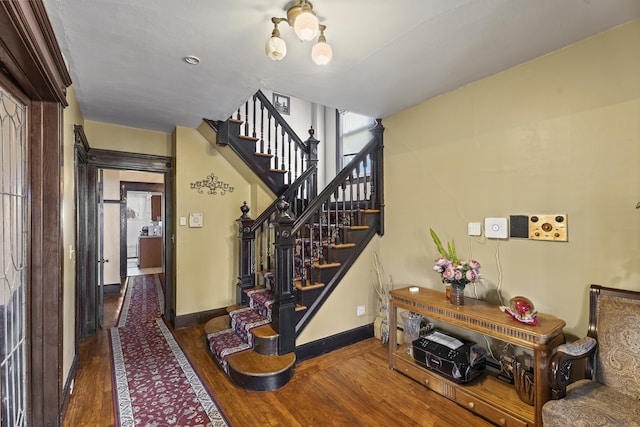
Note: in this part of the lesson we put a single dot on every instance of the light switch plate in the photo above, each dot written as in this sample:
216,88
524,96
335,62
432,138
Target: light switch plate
496,228
474,229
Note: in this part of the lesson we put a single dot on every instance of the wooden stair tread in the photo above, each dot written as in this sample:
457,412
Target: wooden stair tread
341,245
370,210
236,121
255,288
300,307
309,286
357,227
217,324
255,364
263,155
250,138
327,265
233,308
278,170
265,331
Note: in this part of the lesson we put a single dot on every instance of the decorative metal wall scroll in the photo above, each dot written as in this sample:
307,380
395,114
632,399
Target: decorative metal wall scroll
213,185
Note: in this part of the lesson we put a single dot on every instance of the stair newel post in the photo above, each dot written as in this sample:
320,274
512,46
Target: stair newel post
246,268
284,306
312,162
378,132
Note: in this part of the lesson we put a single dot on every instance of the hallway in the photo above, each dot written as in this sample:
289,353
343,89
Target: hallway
353,384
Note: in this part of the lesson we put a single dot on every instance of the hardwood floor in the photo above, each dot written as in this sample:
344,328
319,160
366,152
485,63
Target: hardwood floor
352,386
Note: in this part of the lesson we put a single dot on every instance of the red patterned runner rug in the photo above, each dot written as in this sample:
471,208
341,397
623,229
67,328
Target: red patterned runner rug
154,382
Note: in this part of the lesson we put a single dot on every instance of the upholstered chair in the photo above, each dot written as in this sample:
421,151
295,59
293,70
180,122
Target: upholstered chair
609,392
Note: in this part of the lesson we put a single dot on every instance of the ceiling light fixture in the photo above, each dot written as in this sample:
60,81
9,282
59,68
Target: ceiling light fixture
305,24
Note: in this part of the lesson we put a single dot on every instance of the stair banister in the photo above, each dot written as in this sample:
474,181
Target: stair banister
343,175
284,306
279,119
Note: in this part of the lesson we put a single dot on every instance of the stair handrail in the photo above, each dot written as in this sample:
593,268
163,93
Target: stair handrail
331,187
288,195
282,122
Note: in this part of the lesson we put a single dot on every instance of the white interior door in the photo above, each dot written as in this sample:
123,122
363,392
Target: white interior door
111,243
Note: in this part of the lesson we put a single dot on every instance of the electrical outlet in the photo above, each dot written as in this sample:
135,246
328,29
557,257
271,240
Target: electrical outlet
360,311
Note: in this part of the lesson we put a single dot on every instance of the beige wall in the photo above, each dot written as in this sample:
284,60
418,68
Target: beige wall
72,115
560,134
206,258
122,138
338,314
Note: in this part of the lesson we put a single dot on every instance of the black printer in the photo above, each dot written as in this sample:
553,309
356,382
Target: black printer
455,358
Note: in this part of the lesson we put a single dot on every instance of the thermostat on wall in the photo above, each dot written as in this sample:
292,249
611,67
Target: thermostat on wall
496,228
195,220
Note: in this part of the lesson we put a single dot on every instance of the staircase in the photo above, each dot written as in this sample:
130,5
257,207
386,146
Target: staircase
295,253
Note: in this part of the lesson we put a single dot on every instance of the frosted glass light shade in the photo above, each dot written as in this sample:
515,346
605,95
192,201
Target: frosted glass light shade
321,53
306,26
276,48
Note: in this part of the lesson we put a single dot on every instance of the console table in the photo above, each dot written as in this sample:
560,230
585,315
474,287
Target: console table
486,395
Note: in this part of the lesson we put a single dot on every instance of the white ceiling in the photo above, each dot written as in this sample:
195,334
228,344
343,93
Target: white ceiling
125,56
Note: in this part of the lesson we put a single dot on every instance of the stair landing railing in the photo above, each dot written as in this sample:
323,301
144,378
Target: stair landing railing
262,127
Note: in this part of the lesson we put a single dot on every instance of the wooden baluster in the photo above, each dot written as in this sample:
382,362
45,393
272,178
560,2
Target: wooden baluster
283,166
275,145
365,183
261,128
312,252
373,180
269,233
337,218
269,133
295,173
344,218
303,255
351,196
246,116
254,117
261,247
359,213
321,259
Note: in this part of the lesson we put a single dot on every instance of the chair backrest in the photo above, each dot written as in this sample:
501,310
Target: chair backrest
614,321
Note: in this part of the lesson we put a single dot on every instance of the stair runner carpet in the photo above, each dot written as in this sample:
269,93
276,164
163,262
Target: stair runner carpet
154,382
239,338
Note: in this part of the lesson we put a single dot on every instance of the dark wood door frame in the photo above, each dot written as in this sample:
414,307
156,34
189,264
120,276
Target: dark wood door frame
31,60
87,234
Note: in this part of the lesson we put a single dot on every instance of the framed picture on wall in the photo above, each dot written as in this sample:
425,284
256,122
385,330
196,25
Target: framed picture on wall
281,103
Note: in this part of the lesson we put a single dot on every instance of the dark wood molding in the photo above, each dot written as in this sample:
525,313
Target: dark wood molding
67,389
192,319
29,51
45,301
129,161
87,234
334,342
